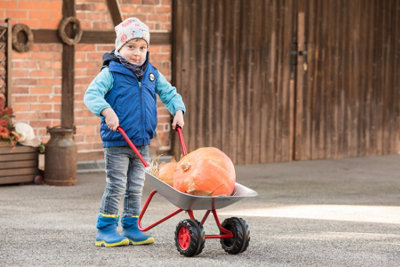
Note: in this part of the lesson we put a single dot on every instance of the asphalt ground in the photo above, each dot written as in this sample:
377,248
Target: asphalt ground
311,213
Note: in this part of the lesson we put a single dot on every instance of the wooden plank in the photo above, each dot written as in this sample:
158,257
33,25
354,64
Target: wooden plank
17,164
16,157
233,84
342,104
16,172
224,59
68,69
115,11
17,149
68,8
17,179
67,87
9,64
43,36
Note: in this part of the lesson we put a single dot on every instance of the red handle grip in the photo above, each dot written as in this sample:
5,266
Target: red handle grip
132,146
183,146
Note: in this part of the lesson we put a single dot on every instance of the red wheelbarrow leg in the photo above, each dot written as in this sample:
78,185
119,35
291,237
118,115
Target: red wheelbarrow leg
157,222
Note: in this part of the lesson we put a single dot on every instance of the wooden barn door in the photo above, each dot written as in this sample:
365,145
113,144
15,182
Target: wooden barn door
348,80
232,66
272,80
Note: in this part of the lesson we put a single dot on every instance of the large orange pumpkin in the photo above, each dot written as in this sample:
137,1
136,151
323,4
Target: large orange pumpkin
206,171
166,172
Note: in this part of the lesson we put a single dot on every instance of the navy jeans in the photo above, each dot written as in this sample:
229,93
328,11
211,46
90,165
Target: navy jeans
125,176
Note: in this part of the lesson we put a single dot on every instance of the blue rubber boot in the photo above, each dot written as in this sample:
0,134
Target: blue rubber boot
131,231
107,235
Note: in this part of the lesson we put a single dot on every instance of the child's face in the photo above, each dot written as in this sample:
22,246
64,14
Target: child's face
134,51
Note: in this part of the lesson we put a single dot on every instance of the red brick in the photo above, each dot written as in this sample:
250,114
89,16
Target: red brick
16,56
39,124
36,14
49,99
46,81
52,5
163,9
23,81
101,25
85,47
21,107
25,99
50,23
23,64
41,107
41,90
42,55
25,116
32,23
158,18
48,115
8,4
20,89
41,73
16,14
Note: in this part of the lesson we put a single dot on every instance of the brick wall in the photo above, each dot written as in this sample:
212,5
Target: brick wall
36,82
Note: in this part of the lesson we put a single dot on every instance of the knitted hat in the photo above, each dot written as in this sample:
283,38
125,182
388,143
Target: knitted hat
129,29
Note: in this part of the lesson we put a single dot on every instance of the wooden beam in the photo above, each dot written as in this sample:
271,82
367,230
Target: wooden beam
67,87
68,78
97,37
45,36
68,8
9,63
108,37
115,11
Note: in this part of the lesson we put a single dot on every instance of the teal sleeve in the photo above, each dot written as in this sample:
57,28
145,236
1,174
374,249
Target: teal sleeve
169,96
98,88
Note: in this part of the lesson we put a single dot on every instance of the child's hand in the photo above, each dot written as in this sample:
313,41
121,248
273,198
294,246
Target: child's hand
178,120
112,120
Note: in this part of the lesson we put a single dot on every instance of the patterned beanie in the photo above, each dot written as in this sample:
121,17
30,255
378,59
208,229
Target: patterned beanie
129,29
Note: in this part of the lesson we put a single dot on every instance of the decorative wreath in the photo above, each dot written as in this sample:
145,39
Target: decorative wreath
26,44
76,26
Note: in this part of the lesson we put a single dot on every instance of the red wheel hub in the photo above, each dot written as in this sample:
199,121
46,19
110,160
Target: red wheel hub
184,238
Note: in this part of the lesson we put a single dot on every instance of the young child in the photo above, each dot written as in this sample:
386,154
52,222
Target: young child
124,94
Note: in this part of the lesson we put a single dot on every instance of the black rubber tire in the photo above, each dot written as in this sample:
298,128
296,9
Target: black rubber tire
241,235
189,238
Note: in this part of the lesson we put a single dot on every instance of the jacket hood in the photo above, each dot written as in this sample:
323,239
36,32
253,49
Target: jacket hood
108,57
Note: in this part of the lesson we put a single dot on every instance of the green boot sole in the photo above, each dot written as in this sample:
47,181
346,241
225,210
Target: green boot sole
148,241
102,243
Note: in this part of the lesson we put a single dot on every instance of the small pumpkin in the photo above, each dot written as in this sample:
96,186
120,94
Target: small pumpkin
206,171
166,172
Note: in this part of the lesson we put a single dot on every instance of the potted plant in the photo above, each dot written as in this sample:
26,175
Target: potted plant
18,164
8,135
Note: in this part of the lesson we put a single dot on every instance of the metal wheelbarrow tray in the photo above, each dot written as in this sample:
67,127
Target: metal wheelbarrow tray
189,235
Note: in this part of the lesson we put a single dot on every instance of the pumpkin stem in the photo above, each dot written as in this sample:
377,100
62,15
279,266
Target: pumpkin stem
186,166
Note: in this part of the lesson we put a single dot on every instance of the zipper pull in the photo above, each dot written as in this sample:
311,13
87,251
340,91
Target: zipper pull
140,84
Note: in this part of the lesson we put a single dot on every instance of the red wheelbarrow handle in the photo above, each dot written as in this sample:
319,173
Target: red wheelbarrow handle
125,136
183,147
132,146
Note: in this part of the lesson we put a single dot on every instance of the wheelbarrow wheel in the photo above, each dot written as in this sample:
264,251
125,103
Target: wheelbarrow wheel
241,235
189,237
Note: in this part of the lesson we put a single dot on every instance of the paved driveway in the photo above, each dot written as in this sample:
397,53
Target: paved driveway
321,213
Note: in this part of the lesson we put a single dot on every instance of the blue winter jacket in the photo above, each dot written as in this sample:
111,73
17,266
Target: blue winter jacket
134,102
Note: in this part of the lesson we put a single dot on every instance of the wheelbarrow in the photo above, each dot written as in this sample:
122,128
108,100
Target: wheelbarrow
189,235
